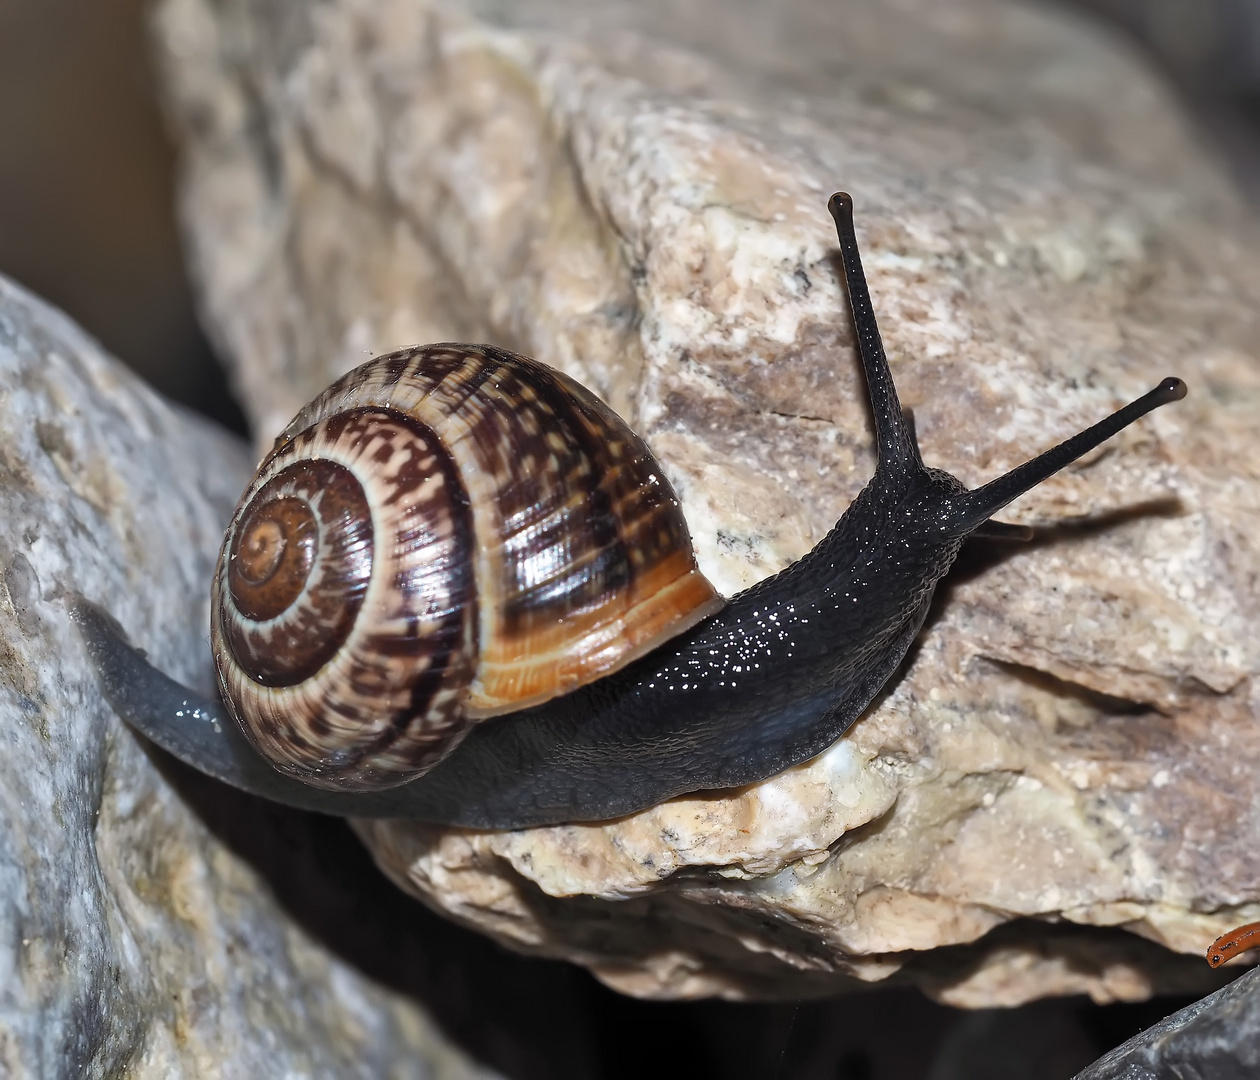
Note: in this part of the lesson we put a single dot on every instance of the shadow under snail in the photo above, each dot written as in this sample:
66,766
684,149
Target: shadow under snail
460,590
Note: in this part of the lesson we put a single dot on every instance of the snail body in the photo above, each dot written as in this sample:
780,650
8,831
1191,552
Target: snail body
669,693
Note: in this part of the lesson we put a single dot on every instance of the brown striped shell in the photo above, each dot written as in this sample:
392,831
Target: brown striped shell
445,534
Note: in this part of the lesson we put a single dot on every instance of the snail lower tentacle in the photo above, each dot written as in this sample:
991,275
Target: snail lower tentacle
583,668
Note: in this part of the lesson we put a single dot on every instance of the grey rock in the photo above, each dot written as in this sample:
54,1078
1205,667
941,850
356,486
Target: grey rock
1057,795
131,941
1217,1038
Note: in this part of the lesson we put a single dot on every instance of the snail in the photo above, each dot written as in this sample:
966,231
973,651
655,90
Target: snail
488,667
1234,943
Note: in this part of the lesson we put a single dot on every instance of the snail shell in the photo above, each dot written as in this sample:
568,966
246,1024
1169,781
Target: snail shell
445,534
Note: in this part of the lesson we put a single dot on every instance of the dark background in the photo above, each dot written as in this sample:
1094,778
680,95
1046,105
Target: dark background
87,221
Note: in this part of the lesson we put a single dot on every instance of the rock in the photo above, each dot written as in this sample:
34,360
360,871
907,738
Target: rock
1056,796
1217,1038
135,943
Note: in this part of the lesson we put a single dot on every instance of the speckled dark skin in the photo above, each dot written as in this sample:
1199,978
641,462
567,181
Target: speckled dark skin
769,682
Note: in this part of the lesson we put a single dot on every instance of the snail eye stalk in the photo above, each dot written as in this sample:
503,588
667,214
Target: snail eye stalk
894,427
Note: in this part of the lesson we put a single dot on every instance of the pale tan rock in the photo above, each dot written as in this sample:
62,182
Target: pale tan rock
634,192
132,941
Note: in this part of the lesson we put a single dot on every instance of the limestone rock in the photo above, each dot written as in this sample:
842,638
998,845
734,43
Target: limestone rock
133,943
634,192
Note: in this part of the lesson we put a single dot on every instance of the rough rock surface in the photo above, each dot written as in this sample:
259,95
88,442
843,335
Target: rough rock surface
1217,1038
634,192
132,942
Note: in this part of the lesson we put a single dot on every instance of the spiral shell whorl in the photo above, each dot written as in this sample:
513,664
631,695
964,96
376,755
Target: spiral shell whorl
344,602
299,564
522,542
